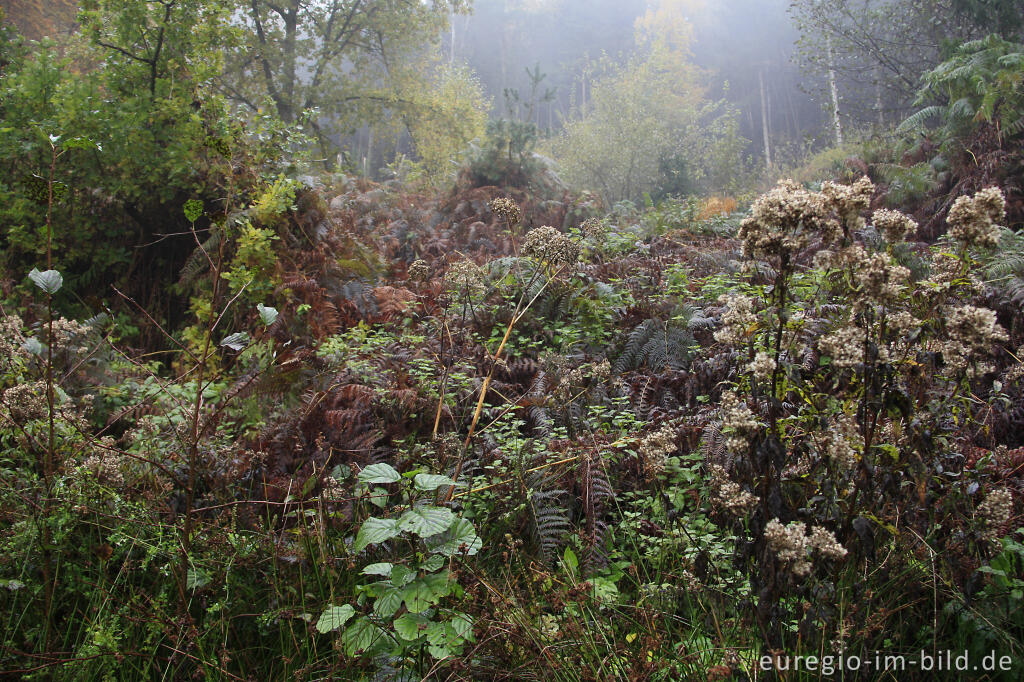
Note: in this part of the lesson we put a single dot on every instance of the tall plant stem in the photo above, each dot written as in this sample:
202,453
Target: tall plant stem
517,315
49,458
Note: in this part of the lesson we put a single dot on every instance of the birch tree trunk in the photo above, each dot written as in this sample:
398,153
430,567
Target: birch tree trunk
834,89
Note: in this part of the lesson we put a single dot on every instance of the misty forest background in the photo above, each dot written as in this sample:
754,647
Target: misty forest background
510,339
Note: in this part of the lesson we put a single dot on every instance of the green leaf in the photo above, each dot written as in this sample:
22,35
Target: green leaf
388,603
408,626
34,346
419,595
432,564
379,473
462,625
402,575
360,636
193,210
431,481
375,531
383,569
438,635
570,560
268,315
459,538
50,281
426,521
196,578
236,341
439,652
333,618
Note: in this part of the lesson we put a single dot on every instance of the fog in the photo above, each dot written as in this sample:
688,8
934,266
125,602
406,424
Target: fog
740,45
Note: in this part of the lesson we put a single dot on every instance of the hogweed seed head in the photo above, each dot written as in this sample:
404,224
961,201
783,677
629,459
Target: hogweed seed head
549,245
419,271
465,277
506,208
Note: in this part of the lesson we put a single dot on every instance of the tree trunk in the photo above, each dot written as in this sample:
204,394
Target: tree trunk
764,123
834,89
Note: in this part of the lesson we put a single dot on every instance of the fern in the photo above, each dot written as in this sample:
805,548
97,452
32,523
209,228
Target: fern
198,262
1004,268
657,345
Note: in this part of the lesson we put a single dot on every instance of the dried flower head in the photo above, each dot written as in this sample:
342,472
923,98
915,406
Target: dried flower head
789,545
880,280
783,220
844,345
332,490
995,511
844,443
972,220
71,335
762,366
975,328
465,277
824,541
548,244
419,271
592,227
107,463
24,403
726,494
507,209
895,226
11,341
739,425
654,448
738,320
849,200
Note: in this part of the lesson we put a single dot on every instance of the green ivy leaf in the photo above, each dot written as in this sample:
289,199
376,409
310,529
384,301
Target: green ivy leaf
333,618
50,281
375,531
379,473
268,315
